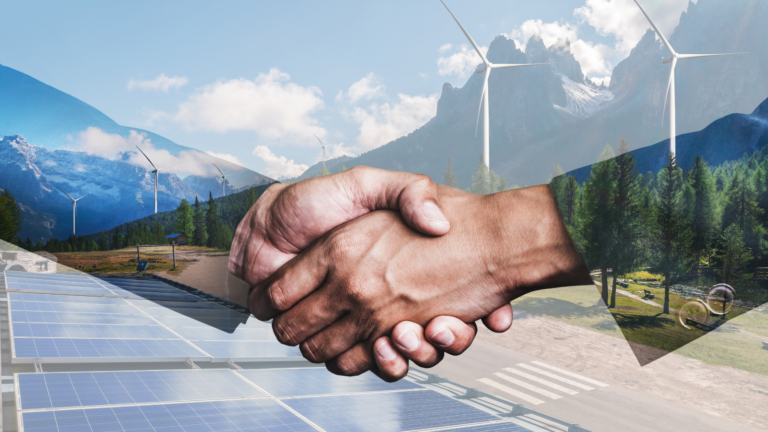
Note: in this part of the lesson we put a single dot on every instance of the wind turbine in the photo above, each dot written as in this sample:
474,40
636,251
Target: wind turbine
74,206
671,85
223,181
485,69
321,143
156,170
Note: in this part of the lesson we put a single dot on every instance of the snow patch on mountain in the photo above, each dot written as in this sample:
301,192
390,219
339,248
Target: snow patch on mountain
583,99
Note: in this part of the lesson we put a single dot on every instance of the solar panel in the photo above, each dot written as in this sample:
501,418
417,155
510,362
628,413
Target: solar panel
252,415
248,350
53,298
75,307
213,334
318,381
385,412
32,282
68,390
496,427
206,322
79,318
43,330
112,349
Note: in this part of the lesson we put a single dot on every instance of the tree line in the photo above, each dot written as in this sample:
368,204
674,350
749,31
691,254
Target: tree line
672,222
210,224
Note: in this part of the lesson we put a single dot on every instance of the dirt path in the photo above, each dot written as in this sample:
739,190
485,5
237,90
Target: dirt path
210,274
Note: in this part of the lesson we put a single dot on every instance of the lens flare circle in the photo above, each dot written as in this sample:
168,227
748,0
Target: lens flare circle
719,299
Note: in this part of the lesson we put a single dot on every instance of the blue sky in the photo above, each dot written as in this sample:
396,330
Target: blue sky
252,81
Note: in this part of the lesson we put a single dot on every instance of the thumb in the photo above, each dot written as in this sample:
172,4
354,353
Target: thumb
414,195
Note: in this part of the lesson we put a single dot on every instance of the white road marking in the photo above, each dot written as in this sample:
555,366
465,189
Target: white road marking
513,392
530,387
556,377
542,381
565,372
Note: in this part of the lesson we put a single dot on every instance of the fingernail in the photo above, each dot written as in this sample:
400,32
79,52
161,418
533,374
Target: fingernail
432,212
443,337
385,352
408,340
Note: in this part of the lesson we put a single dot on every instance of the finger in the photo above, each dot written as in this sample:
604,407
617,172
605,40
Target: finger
391,366
450,334
331,341
408,338
357,360
499,320
289,284
414,195
308,317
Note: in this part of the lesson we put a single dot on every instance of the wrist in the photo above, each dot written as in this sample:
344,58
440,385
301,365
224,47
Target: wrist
532,249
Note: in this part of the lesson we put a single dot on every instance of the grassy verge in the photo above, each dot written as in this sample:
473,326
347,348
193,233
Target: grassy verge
124,261
645,324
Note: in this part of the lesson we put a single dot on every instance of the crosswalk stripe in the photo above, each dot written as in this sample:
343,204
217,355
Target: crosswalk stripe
542,381
513,392
556,377
569,373
530,387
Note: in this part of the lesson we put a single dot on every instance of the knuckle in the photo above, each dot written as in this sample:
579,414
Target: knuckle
310,351
345,366
276,297
423,180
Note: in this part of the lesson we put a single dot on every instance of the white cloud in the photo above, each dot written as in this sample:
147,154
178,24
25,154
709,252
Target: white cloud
460,64
382,123
270,105
162,83
95,141
368,87
624,20
604,80
334,151
227,157
278,166
445,48
592,58
549,32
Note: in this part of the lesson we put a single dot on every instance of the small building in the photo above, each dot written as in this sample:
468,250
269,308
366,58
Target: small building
13,258
177,239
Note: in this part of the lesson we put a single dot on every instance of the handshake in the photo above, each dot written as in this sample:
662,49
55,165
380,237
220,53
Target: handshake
369,269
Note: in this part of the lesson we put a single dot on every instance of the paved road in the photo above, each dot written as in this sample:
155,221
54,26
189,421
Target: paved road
592,402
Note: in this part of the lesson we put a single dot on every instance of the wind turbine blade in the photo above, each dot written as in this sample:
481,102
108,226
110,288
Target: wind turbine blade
656,29
81,197
145,155
669,85
218,169
495,66
321,143
171,166
482,56
482,95
62,191
691,56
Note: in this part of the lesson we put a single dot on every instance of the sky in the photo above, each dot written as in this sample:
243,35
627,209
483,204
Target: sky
256,82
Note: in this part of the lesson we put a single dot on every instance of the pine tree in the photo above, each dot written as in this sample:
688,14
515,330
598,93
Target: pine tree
200,237
252,197
10,217
734,253
596,218
699,201
343,168
184,223
103,243
117,239
741,207
213,224
323,172
570,201
497,182
672,252
627,225
28,245
449,175
481,182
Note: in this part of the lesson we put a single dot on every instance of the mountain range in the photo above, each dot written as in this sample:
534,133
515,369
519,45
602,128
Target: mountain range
542,116
40,150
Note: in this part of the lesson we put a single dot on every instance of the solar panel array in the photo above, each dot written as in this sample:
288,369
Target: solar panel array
72,319
244,400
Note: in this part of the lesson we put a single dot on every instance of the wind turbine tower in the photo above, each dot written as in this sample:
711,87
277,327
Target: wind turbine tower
155,172
671,85
321,143
74,206
485,69
223,181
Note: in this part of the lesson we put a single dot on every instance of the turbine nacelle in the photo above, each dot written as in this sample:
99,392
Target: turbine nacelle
481,68
666,60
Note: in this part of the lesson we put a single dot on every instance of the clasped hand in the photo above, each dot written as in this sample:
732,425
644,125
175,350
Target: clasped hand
367,269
